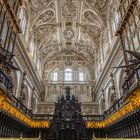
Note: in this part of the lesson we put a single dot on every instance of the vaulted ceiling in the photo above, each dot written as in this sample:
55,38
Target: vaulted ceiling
72,27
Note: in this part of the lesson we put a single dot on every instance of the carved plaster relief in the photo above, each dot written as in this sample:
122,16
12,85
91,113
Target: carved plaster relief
68,33
94,33
91,18
45,17
69,9
36,4
43,31
99,4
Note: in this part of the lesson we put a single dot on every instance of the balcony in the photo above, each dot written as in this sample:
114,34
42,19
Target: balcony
5,81
21,107
5,69
132,81
4,54
118,104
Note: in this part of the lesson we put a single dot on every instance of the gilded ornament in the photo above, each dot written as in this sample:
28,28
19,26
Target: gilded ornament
134,102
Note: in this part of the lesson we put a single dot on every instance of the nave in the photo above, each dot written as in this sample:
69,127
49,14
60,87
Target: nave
69,69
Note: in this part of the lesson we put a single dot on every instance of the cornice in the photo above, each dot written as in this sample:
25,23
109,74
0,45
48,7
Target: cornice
107,64
21,45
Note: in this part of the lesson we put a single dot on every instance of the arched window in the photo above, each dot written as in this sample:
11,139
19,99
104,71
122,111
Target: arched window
68,74
22,18
102,106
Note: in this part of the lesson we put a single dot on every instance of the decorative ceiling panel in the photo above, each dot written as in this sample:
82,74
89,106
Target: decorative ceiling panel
37,4
46,17
94,32
44,31
98,4
69,9
91,18
68,25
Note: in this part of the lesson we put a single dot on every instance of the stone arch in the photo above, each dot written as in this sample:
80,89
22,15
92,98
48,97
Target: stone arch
28,14
112,8
33,104
111,97
14,82
104,40
110,15
24,95
26,9
74,64
121,81
102,105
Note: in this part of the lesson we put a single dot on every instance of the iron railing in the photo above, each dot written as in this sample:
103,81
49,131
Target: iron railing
20,106
131,83
5,81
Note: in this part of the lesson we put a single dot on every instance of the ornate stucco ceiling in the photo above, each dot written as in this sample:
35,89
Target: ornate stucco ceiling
63,26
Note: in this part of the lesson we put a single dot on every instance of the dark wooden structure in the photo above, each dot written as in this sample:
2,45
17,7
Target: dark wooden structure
67,123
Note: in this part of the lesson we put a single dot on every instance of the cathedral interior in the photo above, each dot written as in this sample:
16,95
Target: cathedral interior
69,69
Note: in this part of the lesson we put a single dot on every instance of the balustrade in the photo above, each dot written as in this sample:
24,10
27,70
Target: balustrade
132,81
9,27
113,129
5,81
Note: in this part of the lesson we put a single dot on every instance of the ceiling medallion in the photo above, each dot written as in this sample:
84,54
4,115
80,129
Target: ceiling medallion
68,33
68,63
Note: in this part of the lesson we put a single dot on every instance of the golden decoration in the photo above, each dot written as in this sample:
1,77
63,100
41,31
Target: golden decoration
6,106
132,103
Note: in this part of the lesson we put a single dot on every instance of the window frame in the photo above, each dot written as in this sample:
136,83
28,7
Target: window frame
68,75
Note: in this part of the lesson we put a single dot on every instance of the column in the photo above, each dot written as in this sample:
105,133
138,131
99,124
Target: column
61,74
75,74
